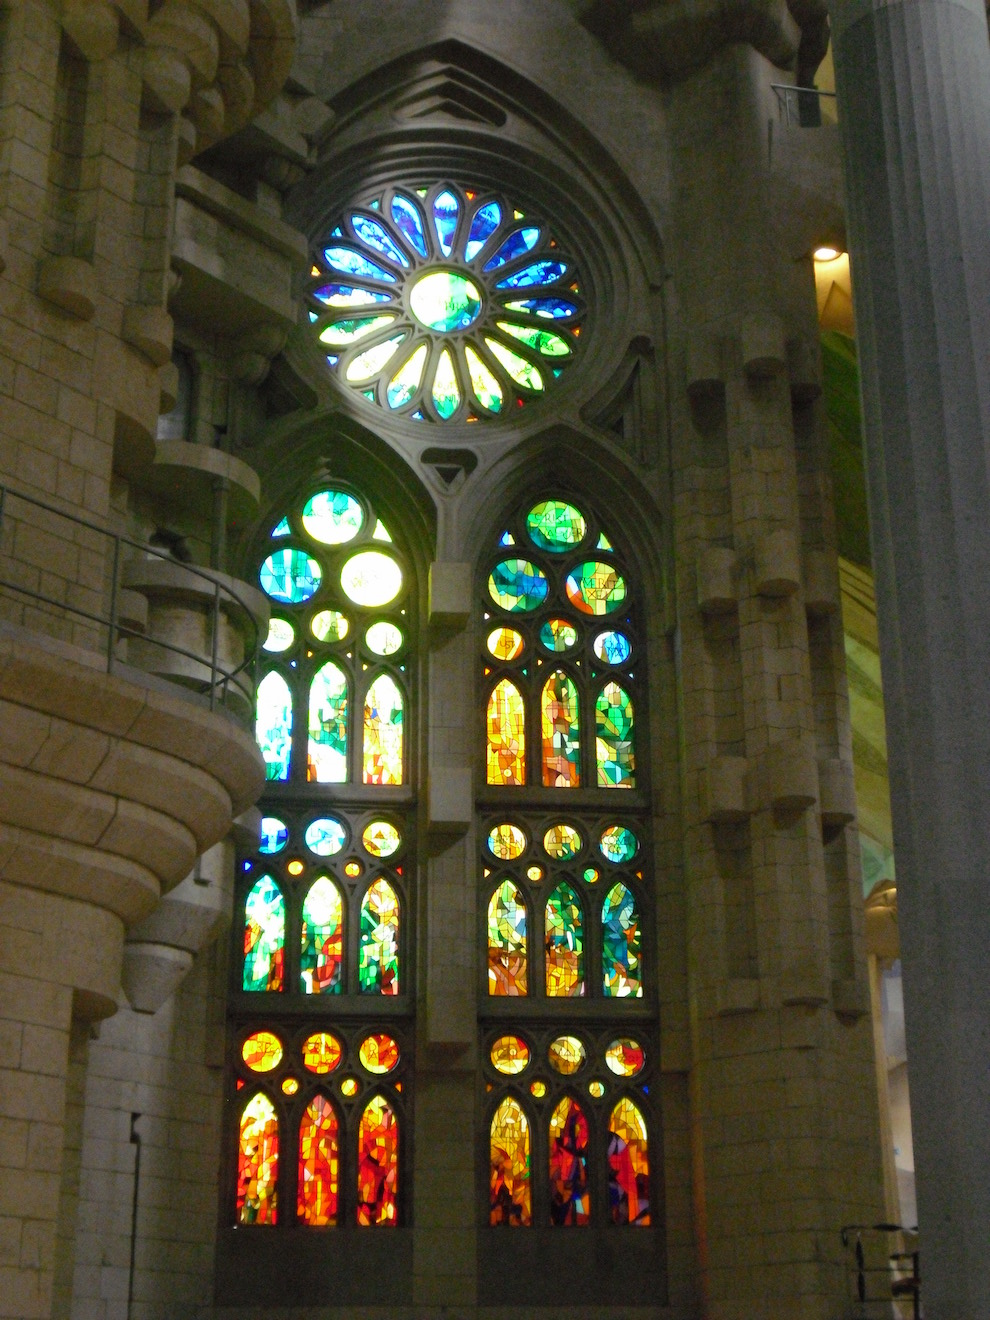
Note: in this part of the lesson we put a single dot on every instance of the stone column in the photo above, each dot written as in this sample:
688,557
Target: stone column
913,80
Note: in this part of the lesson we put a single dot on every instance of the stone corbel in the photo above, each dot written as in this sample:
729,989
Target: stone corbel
92,26
149,330
717,576
252,354
69,283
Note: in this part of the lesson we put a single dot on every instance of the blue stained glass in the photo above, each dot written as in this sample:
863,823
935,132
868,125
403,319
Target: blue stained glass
325,836
445,212
332,359
282,529
622,970
518,242
353,263
348,295
273,725
409,221
612,647
274,835
290,576
373,233
336,232
556,308
486,220
517,585
540,272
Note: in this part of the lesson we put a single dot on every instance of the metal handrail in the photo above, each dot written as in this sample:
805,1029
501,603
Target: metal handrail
220,678
907,1284
788,94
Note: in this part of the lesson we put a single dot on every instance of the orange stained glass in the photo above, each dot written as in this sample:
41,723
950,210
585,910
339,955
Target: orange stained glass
628,1166
379,1053
561,733
506,735
510,1158
257,1163
262,1052
569,1200
383,713
319,1164
378,1164
507,941
505,643
321,1052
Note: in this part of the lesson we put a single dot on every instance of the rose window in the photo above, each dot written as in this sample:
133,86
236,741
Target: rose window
444,304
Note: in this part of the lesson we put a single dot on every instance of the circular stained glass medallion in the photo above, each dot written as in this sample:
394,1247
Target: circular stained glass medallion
371,578
329,626
619,844
412,265
322,1052
597,1089
384,638
281,635
562,842
625,1057
596,588
510,1055
505,643
555,525
290,1086
333,517
558,635
381,839
613,648
325,836
290,576
379,1053
350,1086
538,1089
262,1052
518,586
566,1054
274,835
506,842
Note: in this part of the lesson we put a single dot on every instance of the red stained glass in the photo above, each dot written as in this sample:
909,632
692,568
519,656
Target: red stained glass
319,1164
510,1188
257,1163
628,1166
378,1164
569,1203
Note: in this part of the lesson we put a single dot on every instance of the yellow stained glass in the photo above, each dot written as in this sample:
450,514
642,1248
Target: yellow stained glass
371,578
486,388
446,392
628,1166
262,1052
506,735
561,733
371,361
406,380
505,643
383,712
507,842
321,1052
510,1055
257,1163
510,1158
523,372
567,1055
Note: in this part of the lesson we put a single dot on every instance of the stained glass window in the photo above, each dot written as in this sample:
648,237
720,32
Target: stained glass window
507,962
628,1166
622,970
445,305
564,943
561,733
510,1171
327,894
569,1203
506,735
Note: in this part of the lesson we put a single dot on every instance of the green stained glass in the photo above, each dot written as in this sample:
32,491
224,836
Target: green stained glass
558,635
264,937
332,517
614,738
325,836
564,931
381,839
339,334
371,578
486,388
613,648
561,733
281,635
290,576
622,969
604,543
596,588
619,844
283,529
383,732
518,585
321,940
330,626
562,842
273,726
507,970
406,380
446,392
372,360
550,345
445,301
522,371
273,835
378,955
327,762
384,638
555,525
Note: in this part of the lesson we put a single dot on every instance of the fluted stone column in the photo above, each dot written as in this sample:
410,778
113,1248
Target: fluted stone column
913,80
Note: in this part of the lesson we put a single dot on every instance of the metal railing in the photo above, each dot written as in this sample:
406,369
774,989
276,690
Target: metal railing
882,1282
801,106
219,681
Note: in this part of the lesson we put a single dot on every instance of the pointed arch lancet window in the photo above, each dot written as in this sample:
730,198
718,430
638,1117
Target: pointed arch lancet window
614,728
257,1163
383,710
561,733
321,939
327,761
378,958
506,761
264,937
507,958
622,968
510,1192
318,1183
569,1135
378,1164
628,1165
564,930
273,726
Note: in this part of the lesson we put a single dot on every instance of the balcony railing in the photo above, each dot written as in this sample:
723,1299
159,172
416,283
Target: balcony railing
221,682
802,106
884,1269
